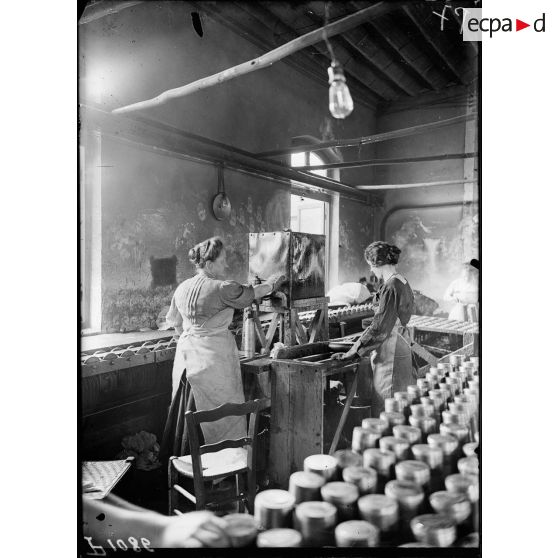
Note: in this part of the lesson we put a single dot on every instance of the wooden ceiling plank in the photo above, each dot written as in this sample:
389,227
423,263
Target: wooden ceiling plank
447,60
263,61
411,185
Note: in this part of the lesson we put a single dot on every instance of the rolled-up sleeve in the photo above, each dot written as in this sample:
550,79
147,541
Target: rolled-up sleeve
382,322
236,295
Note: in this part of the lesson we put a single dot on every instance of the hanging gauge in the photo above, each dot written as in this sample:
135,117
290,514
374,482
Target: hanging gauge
221,203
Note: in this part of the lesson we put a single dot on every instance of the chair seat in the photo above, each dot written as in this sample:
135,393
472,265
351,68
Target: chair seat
219,464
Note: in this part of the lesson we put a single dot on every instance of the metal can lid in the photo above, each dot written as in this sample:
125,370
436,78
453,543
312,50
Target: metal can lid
393,405
457,407
305,479
423,383
426,424
402,396
460,483
414,470
356,474
347,458
410,433
459,431
392,418
339,492
422,410
468,465
433,525
455,505
431,455
350,532
394,444
405,492
377,504
469,449
320,463
318,511
274,499
274,538
447,443
379,458
413,390
376,424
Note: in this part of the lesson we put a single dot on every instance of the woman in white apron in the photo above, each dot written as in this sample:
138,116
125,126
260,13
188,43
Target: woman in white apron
464,292
201,310
384,347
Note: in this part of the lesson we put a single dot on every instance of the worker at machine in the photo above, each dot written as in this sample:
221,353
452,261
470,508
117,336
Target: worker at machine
201,310
464,292
385,345
348,293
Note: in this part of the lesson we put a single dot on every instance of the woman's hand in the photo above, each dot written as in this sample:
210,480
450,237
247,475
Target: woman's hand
351,353
195,529
276,280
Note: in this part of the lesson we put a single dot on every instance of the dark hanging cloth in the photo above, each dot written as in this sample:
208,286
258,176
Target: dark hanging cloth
175,435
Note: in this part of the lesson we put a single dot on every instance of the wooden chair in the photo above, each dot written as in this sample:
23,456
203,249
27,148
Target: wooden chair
216,467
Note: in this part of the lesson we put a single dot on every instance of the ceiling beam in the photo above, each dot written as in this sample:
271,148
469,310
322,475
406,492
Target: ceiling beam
97,10
375,138
263,61
435,43
412,185
395,161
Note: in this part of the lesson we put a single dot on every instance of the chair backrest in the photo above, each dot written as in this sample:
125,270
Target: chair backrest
194,418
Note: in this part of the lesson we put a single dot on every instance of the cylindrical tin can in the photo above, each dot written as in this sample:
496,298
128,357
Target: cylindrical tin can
459,431
392,405
393,419
272,508
427,425
364,438
424,386
249,337
398,446
316,521
439,400
462,419
380,510
403,396
446,391
422,410
409,497
364,478
356,533
468,465
414,393
347,458
469,449
457,506
414,471
475,361
324,465
449,446
457,407
454,385
305,486
279,538
434,458
463,484
456,361
410,433
344,496
378,425
241,528
435,529
383,462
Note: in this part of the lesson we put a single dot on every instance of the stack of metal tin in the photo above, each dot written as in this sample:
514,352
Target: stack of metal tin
409,479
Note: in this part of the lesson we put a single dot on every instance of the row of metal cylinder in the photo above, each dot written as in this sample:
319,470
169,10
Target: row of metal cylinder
404,482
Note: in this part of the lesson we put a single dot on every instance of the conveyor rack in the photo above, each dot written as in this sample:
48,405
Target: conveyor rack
128,350
341,314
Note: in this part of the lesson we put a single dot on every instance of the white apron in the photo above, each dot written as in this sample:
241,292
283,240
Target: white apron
210,356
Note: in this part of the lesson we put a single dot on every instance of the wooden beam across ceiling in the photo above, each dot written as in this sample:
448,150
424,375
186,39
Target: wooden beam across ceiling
374,138
265,60
411,185
103,8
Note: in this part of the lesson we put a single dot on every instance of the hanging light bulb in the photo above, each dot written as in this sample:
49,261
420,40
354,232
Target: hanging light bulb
340,100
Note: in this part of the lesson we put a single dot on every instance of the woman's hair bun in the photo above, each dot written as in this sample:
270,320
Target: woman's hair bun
381,253
207,251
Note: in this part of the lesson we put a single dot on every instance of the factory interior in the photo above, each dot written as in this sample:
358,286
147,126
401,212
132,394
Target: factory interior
279,275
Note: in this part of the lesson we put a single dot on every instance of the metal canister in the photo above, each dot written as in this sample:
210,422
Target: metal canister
409,497
449,446
410,433
249,336
357,533
380,510
437,396
454,385
468,465
364,478
323,465
434,458
469,449
446,391
424,386
474,384
473,395
466,485
305,486
414,393
316,521
434,529
279,538
392,405
364,438
344,496
377,424
399,446
456,361
475,361
420,410
393,419
241,528
460,418
405,400
383,462
459,431
461,377
347,458
272,508
457,506
427,425
414,471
